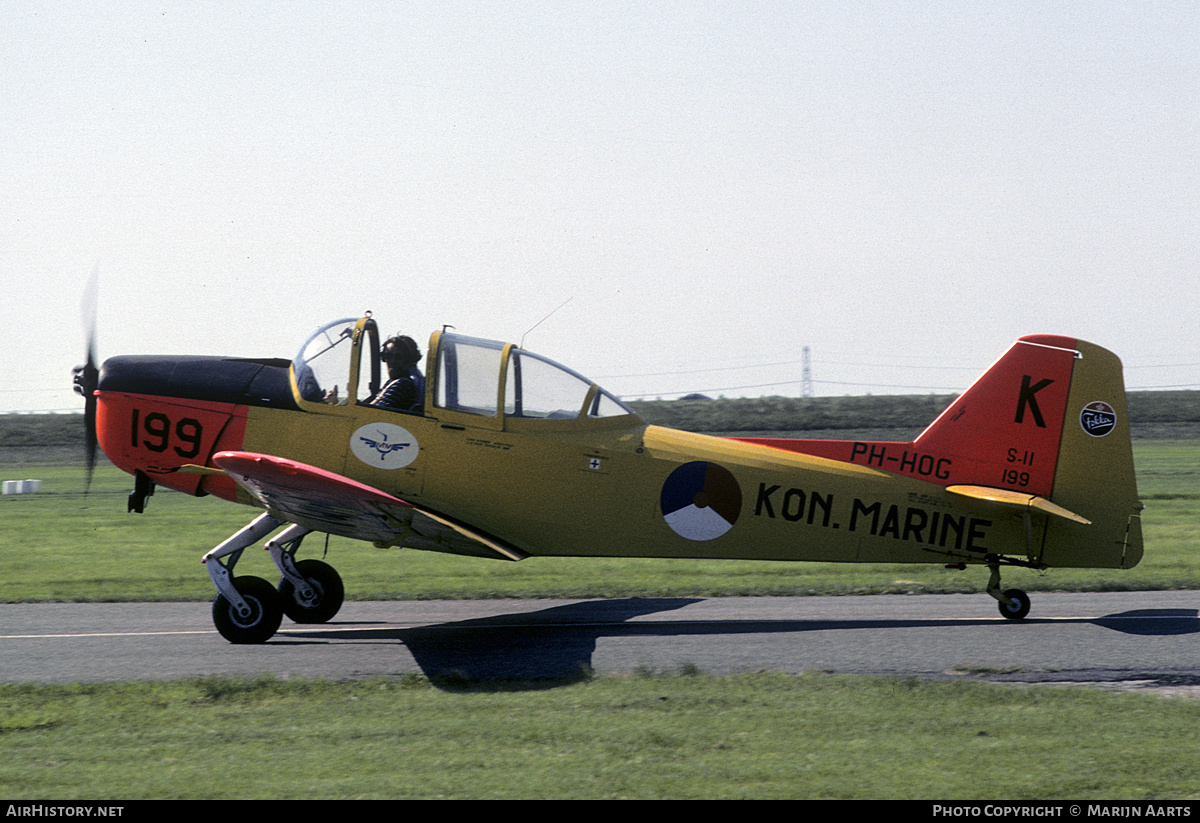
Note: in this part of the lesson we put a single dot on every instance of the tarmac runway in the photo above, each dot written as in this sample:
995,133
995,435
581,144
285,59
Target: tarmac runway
1120,640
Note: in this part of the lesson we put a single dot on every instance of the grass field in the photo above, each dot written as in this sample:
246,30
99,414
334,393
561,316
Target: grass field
663,736
658,735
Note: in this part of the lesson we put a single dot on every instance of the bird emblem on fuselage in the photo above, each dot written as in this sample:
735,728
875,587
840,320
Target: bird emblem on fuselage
382,446
385,445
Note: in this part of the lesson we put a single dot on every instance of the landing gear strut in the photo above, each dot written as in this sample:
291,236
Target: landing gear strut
311,591
1014,603
249,609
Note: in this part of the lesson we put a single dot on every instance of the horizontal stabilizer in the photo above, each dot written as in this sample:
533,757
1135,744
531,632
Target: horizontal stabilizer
1023,500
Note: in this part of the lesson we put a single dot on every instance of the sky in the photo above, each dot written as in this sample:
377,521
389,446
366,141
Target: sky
668,197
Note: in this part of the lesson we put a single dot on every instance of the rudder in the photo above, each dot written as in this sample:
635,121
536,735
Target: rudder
1095,475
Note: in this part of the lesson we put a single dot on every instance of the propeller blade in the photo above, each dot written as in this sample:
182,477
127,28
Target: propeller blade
87,376
89,307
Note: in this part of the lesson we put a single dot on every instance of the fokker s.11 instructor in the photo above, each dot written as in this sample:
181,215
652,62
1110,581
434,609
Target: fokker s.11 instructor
508,455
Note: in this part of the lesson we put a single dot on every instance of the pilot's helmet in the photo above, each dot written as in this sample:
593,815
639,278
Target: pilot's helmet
400,350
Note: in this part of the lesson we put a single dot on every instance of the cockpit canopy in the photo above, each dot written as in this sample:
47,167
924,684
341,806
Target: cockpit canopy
470,373
339,365
326,369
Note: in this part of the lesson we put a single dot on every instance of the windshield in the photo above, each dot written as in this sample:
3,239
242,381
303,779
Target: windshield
323,363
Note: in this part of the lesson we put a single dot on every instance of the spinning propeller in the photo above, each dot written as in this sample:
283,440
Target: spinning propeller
87,376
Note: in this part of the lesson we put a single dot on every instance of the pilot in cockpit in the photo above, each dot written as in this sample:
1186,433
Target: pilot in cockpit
405,389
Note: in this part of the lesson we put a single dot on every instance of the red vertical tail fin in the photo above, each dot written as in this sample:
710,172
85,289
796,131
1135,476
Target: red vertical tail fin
1004,431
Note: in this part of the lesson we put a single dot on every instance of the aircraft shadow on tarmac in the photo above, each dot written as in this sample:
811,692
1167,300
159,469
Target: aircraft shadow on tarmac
1152,621
556,645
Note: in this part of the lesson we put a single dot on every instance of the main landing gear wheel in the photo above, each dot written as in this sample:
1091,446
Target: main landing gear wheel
328,593
1019,607
263,619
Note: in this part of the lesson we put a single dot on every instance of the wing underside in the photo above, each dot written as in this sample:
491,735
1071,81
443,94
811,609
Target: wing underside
327,502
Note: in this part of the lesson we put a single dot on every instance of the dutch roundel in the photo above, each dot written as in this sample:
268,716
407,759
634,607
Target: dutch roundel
701,500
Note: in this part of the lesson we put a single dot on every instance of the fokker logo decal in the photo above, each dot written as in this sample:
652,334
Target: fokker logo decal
384,445
1098,418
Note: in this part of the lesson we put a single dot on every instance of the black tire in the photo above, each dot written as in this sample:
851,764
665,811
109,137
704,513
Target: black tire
327,584
266,612
1020,606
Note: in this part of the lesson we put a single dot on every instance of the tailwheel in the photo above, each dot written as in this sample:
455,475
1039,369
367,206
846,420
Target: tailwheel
261,618
1018,605
1014,603
327,593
